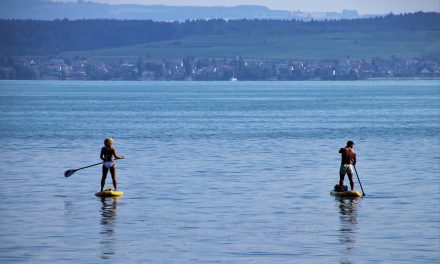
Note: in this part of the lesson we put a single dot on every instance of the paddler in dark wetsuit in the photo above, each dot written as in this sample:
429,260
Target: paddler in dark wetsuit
107,155
348,161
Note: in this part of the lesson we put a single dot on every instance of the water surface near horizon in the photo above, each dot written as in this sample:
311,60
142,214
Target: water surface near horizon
226,172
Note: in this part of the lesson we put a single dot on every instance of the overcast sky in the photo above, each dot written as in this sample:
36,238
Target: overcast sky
362,6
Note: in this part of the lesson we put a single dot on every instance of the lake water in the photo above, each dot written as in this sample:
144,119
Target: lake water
219,172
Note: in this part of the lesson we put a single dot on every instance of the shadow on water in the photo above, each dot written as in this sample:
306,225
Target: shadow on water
108,221
348,225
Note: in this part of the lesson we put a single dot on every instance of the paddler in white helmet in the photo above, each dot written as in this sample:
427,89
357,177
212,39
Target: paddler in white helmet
108,155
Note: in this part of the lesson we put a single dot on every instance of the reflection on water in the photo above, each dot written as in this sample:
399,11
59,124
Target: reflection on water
348,224
108,221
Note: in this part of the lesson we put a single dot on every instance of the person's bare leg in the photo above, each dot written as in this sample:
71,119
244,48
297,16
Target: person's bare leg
113,173
341,181
104,175
350,177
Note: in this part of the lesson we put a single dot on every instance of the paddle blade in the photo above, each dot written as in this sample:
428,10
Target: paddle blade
69,173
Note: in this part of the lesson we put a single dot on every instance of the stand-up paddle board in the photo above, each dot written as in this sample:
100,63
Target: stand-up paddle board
109,193
345,193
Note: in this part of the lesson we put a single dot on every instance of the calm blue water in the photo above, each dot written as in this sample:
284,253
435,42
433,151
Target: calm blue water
220,172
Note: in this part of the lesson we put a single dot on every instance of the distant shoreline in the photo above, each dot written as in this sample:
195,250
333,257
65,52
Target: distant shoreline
227,69
403,79
238,81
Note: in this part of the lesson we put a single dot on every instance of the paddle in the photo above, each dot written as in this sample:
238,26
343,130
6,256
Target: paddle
69,173
363,194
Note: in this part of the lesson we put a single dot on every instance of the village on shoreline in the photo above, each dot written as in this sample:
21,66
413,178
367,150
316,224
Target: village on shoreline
226,69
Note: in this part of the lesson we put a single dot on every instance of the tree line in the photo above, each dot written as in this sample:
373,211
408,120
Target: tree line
37,37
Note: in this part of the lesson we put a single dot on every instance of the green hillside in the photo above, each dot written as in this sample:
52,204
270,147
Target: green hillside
403,44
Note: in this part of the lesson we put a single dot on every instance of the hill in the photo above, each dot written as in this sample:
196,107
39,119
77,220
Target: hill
409,35
48,10
315,46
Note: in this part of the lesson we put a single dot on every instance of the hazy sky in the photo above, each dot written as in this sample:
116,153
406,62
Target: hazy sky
362,6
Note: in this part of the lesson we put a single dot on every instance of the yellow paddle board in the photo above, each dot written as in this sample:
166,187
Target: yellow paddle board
109,193
346,194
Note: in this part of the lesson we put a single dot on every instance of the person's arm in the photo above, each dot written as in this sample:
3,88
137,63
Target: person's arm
116,156
341,150
101,156
354,158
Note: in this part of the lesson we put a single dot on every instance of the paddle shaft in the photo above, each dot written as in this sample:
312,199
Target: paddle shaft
89,166
357,175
